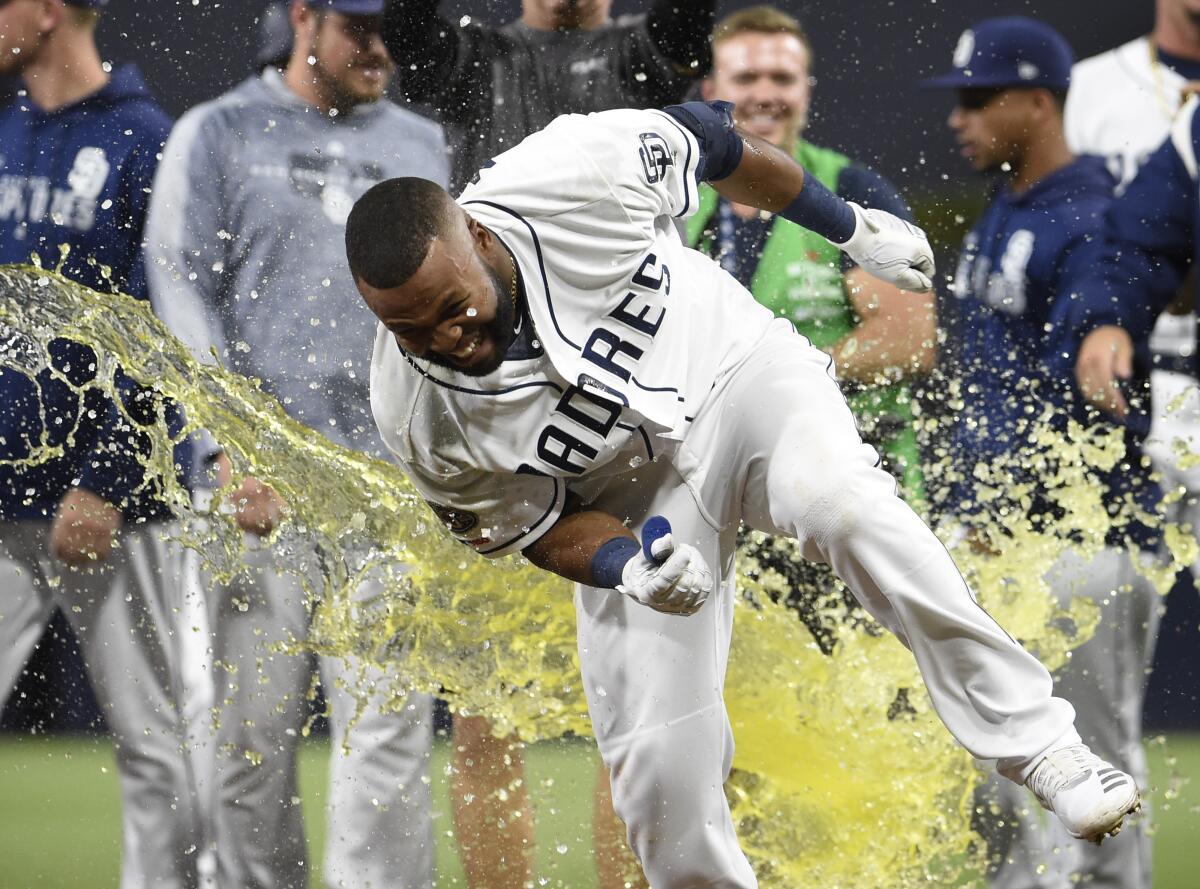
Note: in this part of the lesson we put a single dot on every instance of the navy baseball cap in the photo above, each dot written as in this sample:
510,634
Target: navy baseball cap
1007,52
350,7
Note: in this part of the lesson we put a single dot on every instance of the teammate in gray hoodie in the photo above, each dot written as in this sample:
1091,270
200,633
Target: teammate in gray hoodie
245,234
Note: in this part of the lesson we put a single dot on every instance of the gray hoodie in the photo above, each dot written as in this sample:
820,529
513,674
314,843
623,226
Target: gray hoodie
245,252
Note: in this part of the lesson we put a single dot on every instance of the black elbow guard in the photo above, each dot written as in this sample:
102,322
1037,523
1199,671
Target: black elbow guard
712,125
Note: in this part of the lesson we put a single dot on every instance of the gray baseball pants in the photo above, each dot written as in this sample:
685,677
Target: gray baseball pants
123,612
1105,679
380,832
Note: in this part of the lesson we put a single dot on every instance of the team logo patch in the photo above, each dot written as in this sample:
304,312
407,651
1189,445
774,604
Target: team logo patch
964,49
457,521
656,157
89,173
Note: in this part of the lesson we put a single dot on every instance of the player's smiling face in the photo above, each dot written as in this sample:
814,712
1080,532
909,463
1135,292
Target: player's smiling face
766,77
455,311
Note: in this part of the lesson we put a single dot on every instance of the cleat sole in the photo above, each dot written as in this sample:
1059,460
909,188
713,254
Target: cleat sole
1112,830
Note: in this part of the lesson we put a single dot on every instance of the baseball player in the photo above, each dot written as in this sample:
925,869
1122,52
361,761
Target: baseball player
563,378
492,87
248,209
79,146
1121,106
1013,286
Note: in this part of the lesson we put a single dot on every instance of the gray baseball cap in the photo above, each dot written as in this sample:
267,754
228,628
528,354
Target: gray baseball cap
274,35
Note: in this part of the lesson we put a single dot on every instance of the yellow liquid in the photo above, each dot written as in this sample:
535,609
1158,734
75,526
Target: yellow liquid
844,776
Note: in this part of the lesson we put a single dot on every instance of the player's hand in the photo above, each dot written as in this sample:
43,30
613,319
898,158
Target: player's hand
890,249
1105,359
674,580
257,508
84,528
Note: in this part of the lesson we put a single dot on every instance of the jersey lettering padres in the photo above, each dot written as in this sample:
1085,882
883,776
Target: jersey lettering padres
633,328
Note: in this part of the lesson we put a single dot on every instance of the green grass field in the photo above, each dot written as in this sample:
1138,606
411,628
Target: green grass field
60,820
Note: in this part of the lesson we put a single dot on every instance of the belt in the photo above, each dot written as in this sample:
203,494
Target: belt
1180,364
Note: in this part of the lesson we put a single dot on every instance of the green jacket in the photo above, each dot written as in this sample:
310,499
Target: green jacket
799,277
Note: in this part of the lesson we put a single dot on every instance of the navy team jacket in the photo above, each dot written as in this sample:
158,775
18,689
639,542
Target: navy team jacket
80,175
1014,290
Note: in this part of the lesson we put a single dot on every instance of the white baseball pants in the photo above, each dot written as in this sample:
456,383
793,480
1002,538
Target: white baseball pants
123,612
775,445
1176,401
380,831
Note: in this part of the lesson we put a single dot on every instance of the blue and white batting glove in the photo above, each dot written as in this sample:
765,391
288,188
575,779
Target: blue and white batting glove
890,249
666,576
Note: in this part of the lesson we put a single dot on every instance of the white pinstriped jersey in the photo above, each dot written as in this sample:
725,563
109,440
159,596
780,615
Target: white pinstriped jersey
1120,106
633,329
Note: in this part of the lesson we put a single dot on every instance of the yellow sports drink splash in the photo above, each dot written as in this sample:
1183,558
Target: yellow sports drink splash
844,776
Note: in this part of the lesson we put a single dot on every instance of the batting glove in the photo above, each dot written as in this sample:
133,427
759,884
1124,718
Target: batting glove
674,580
890,249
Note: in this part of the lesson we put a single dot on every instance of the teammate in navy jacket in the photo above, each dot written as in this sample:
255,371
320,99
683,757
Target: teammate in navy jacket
79,150
77,175
1016,344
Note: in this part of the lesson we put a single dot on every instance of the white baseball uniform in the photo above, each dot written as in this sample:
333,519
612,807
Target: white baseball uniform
1121,105
655,384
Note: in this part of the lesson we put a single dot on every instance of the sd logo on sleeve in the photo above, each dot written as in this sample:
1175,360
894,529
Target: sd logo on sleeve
656,157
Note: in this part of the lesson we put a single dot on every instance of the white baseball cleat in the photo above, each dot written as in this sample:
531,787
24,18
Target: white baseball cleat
1090,796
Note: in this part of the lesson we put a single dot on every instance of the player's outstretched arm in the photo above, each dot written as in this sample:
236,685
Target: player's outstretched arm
748,170
593,548
882,244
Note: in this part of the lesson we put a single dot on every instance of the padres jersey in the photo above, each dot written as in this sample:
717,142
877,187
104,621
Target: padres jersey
632,332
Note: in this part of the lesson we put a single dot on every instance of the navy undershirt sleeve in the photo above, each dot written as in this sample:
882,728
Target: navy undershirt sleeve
712,125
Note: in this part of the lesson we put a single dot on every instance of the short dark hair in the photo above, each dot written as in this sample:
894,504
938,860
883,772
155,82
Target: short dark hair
390,229
763,19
